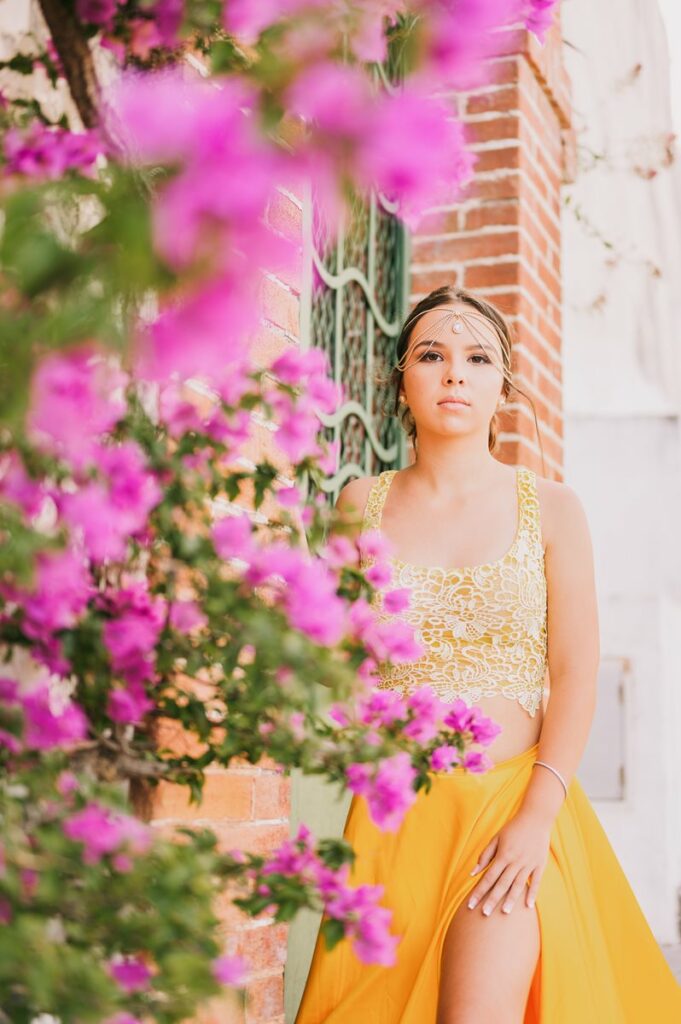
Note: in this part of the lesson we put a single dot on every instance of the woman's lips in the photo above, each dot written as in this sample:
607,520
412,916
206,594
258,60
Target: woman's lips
450,402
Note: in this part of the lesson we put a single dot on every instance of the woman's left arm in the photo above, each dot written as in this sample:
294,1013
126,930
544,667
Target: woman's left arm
573,651
517,854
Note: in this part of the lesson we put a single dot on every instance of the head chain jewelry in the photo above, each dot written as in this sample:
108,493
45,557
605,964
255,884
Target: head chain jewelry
455,320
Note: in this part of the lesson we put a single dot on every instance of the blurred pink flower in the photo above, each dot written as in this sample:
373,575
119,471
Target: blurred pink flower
296,366
230,970
374,544
415,176
97,12
108,514
129,704
130,636
18,487
427,710
103,831
382,707
62,587
75,398
233,537
476,761
200,335
394,641
540,17
50,152
340,551
379,575
186,616
131,973
387,787
444,757
395,601
46,724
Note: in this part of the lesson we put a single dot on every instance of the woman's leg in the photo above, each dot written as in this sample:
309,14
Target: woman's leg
487,965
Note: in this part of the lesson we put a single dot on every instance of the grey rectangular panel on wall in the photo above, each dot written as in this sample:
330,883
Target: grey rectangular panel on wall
602,770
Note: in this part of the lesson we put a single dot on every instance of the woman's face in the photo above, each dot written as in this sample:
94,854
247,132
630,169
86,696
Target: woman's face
442,365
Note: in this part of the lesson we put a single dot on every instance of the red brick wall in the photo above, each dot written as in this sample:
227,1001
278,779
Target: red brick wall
502,240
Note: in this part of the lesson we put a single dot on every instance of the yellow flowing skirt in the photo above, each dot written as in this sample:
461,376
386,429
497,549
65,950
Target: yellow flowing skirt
599,961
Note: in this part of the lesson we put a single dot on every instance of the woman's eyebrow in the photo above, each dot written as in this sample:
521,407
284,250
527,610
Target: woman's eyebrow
438,344
435,344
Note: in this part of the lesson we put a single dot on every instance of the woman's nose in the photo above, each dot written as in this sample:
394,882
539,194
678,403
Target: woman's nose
453,373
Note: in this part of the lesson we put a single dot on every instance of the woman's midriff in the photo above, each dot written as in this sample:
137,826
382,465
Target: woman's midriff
519,730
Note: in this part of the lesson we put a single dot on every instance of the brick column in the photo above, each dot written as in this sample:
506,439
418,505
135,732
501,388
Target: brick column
502,240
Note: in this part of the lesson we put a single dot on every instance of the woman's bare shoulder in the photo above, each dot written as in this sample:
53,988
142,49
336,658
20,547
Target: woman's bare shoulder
561,509
353,495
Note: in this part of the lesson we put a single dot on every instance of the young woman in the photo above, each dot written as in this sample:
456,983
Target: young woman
511,905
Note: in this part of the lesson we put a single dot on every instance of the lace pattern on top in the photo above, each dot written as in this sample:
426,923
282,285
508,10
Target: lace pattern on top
483,627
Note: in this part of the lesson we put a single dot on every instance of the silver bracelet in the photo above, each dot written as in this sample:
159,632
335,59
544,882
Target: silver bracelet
555,772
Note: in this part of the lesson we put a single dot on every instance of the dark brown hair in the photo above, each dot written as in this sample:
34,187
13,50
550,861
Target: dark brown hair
448,295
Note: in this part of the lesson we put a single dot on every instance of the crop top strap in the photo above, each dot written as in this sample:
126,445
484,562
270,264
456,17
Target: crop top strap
373,510
530,519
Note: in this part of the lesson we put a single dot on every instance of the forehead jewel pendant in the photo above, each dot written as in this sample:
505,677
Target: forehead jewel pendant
457,325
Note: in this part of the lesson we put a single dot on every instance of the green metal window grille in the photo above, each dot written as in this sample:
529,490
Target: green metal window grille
355,314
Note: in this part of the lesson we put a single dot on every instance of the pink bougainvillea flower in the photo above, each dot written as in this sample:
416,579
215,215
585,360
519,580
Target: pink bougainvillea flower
296,366
87,512
340,551
387,787
394,641
47,724
374,544
230,970
444,757
50,152
372,941
97,12
201,335
106,515
129,704
476,761
133,489
62,587
131,973
382,707
131,635
186,616
103,831
540,17
233,537
415,177
337,98
379,575
76,396
395,601
427,710
18,487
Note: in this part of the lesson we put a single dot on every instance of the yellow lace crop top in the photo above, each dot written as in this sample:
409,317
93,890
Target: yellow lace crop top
483,627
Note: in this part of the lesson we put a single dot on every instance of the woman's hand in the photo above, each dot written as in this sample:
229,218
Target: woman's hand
519,850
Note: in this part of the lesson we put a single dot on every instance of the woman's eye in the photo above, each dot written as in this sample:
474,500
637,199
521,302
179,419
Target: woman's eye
484,359
426,355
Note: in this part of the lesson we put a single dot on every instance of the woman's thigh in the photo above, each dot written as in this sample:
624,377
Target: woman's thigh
487,965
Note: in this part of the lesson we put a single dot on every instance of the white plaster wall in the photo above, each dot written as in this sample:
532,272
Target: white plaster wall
622,367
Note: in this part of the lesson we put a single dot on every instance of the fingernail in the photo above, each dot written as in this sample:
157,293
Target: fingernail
487,910
507,908
474,869
530,903
472,901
